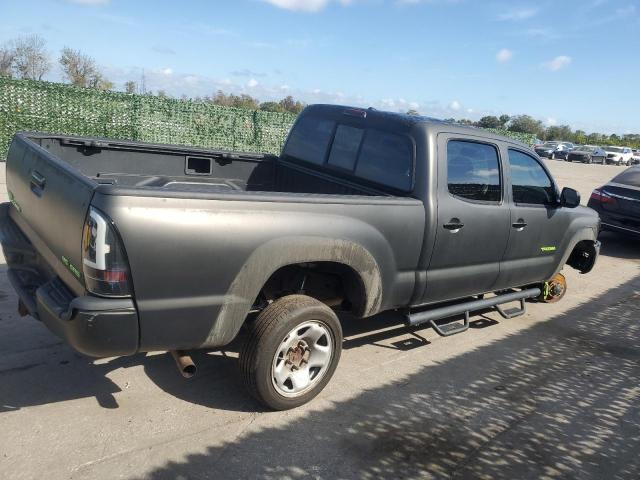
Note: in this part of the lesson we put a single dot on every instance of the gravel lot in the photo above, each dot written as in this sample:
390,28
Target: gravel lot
553,394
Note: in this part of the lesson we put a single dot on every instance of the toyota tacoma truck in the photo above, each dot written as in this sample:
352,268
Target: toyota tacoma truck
124,247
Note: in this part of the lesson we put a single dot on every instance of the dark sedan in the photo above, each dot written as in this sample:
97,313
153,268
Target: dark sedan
554,150
618,202
587,154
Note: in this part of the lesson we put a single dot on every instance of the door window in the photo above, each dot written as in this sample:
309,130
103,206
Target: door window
473,171
530,181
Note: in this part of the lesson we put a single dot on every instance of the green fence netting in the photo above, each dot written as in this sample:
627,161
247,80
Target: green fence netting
64,109
56,108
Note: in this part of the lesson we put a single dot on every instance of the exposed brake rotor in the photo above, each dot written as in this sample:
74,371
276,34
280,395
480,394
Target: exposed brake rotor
554,289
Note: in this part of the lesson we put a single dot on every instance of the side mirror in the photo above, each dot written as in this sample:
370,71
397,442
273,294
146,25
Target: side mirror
569,198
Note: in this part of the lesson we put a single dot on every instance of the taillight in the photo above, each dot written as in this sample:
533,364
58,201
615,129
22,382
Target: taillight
104,263
602,196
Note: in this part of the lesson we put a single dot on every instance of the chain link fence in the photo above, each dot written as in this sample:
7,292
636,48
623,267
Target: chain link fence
56,108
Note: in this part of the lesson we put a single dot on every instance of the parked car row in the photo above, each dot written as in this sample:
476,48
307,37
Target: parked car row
611,155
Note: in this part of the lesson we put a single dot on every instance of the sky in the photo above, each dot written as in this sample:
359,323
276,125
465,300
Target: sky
573,62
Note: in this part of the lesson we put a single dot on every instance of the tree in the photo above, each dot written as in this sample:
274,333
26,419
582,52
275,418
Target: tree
559,132
271,107
99,82
489,122
412,111
504,119
162,94
81,70
130,86
77,67
31,60
7,56
291,105
526,124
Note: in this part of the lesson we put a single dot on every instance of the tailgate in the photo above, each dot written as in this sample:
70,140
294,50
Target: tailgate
52,199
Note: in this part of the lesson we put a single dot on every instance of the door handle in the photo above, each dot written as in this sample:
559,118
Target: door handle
454,225
519,225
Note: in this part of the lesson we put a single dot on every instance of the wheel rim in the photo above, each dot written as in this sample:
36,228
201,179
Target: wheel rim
302,358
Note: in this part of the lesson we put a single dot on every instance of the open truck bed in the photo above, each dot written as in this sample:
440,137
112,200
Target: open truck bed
171,169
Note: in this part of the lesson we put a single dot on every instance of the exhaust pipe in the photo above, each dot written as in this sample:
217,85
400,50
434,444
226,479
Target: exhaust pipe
184,363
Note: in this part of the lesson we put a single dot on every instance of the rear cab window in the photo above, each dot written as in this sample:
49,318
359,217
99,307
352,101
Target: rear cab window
386,158
310,139
344,150
355,152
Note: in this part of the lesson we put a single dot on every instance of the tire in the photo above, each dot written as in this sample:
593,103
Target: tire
286,335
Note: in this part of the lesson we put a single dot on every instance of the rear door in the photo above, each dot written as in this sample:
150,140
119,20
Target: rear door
52,199
473,219
537,225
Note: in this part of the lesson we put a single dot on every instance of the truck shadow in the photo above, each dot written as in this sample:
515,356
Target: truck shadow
557,400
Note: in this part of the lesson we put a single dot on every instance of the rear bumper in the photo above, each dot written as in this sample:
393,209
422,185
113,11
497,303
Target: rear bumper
95,326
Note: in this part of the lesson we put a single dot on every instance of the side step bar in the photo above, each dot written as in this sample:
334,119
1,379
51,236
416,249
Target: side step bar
430,316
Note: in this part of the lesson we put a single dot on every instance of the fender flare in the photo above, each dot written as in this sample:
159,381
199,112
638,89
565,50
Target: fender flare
275,254
581,235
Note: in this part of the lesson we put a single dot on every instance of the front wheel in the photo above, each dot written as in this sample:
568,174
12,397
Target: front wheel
293,349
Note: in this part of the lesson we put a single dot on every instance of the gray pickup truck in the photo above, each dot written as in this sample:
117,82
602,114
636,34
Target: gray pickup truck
123,247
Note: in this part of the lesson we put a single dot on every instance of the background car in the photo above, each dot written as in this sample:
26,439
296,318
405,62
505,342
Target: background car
554,149
635,159
587,154
618,155
618,202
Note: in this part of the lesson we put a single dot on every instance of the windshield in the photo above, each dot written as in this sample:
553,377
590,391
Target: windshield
614,149
586,148
550,144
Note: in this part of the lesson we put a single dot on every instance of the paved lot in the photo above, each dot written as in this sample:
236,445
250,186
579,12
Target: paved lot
553,394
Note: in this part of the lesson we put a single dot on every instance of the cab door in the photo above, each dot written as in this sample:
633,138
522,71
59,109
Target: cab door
538,223
473,220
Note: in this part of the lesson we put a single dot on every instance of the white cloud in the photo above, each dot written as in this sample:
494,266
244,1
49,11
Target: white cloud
551,121
90,2
166,71
252,83
518,14
504,55
558,63
455,105
304,5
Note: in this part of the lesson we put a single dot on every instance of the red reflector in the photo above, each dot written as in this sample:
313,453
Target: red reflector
112,275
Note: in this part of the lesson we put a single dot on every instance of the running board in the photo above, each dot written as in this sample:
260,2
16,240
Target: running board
430,316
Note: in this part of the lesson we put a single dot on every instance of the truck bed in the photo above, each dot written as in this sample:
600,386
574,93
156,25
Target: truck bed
184,170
